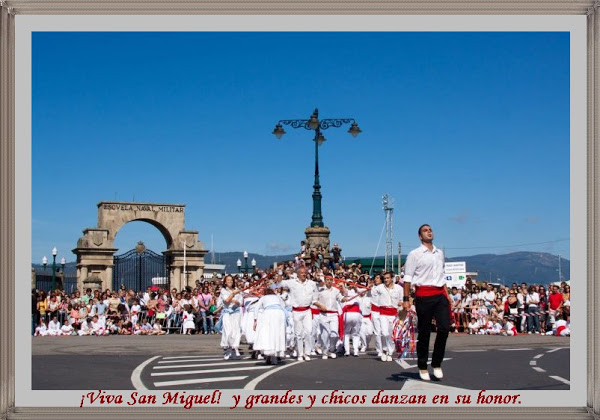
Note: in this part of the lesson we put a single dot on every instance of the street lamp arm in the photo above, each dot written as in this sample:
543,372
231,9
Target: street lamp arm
296,123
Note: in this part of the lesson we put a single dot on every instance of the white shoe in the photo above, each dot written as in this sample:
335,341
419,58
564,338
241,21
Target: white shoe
287,356
295,354
383,357
437,372
237,353
307,357
379,354
424,375
324,357
260,357
312,353
347,353
364,349
333,355
319,351
389,357
300,358
355,354
227,355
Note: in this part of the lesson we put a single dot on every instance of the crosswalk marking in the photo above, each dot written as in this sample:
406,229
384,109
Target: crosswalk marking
214,359
222,363
539,369
194,372
515,349
199,381
185,357
563,380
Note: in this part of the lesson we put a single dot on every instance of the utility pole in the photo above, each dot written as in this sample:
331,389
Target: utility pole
399,257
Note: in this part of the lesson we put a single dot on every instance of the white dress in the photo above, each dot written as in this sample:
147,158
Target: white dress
232,318
270,326
248,318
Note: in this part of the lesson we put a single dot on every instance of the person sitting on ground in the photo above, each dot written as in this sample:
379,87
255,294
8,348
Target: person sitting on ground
509,327
473,326
54,327
67,329
41,330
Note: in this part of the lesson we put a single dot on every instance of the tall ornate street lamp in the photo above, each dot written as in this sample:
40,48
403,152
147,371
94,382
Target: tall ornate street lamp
317,234
246,268
54,268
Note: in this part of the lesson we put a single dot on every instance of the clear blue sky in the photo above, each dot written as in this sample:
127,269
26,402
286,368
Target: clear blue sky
466,131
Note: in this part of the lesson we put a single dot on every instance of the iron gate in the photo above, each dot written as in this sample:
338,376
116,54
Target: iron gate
140,268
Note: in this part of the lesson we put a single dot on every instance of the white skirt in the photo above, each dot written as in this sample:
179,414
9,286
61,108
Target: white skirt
232,332
248,327
270,332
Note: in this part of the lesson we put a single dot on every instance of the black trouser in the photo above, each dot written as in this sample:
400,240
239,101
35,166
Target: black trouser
428,308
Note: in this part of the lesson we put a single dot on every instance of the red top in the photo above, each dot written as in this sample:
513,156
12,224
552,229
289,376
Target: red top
554,300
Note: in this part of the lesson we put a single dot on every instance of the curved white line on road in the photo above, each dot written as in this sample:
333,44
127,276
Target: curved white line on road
136,375
252,384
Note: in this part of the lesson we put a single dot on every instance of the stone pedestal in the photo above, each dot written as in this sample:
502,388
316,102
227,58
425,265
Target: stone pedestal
317,237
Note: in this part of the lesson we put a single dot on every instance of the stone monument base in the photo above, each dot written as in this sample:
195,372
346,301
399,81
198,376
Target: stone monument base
317,237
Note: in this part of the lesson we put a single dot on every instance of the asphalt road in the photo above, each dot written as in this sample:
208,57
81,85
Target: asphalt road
525,362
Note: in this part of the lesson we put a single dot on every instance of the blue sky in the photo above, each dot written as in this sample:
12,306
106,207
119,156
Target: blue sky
466,131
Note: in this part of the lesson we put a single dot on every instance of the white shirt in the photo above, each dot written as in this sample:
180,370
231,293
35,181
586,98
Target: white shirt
489,297
533,298
301,294
329,298
54,326
424,267
388,297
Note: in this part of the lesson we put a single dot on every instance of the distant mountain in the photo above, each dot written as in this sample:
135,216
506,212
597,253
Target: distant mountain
528,267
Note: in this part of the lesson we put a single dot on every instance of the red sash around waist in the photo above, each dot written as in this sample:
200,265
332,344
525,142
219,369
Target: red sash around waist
367,316
315,311
300,308
351,308
374,308
426,291
388,310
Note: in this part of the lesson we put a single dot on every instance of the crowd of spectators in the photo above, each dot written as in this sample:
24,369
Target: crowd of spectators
478,308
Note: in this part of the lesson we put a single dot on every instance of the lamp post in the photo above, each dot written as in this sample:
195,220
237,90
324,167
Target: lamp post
54,268
246,268
317,234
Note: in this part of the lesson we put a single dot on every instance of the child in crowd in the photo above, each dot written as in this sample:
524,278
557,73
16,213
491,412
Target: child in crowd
188,319
54,327
137,328
562,328
509,327
98,327
86,328
67,329
473,326
41,330
157,329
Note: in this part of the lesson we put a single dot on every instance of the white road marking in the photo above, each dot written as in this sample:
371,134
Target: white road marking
417,385
136,375
515,349
193,372
467,351
556,349
185,357
539,369
558,378
532,363
199,381
405,365
213,359
538,356
226,363
252,384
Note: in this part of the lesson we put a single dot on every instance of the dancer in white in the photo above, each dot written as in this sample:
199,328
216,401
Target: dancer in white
389,296
269,325
424,268
366,327
249,316
328,300
232,316
375,314
303,293
352,319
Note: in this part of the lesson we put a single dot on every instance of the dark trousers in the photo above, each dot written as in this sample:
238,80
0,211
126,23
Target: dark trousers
428,308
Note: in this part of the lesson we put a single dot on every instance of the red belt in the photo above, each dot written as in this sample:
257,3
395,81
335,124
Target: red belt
388,310
560,329
301,308
329,312
315,311
426,291
367,316
351,308
374,308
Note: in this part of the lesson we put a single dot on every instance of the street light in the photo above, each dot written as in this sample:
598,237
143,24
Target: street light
246,268
313,123
54,268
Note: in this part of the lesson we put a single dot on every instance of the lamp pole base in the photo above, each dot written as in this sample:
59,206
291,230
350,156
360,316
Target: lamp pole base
317,237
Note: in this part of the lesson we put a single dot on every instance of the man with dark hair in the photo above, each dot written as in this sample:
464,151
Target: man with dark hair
424,269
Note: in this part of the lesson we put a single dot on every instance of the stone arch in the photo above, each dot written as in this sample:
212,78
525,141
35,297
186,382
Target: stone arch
95,249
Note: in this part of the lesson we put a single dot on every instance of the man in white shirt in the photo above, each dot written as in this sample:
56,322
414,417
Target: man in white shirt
303,293
54,327
390,297
327,301
424,269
